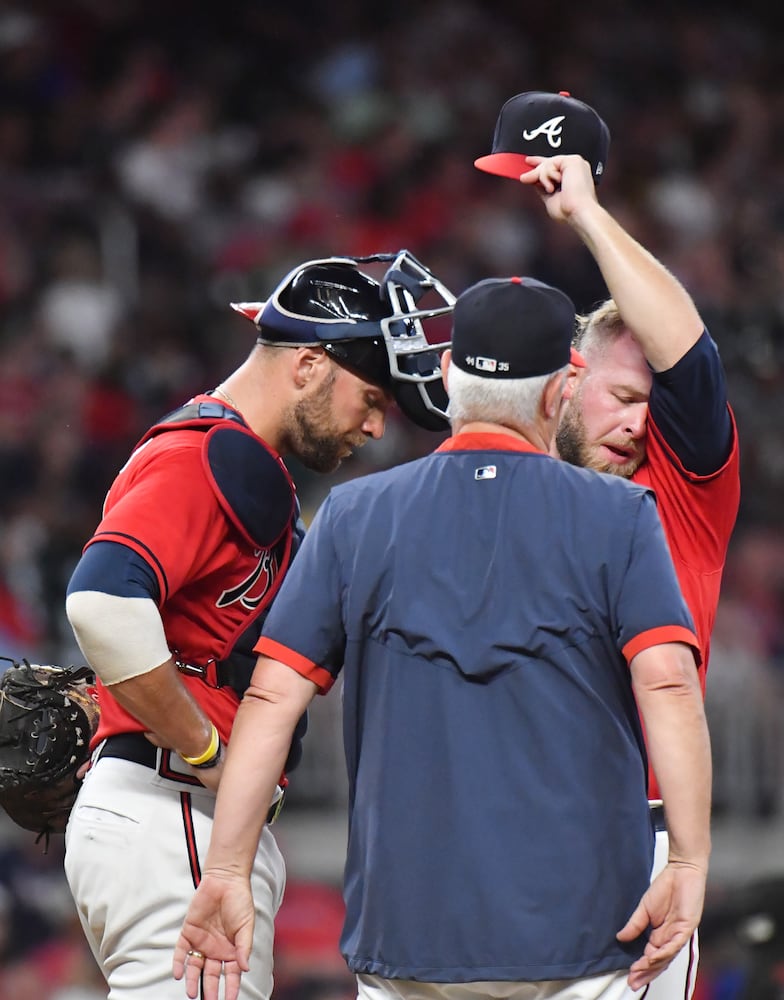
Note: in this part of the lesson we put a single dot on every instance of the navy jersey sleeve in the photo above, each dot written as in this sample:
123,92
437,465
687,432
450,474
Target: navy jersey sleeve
689,406
306,615
112,568
649,604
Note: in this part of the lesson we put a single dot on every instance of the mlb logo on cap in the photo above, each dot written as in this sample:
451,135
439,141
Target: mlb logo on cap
486,364
538,123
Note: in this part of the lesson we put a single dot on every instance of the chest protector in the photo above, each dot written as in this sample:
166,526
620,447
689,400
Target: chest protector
257,495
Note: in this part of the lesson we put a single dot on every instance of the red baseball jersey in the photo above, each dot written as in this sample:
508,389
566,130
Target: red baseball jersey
213,577
698,514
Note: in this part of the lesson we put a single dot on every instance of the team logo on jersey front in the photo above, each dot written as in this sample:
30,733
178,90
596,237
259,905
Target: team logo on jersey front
552,128
254,588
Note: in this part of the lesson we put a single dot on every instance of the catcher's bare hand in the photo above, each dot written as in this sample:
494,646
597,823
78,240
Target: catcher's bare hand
208,776
216,936
672,908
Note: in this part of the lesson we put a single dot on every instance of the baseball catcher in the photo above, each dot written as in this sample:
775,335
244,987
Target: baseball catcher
47,716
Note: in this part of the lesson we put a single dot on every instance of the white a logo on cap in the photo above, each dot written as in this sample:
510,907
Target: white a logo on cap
551,128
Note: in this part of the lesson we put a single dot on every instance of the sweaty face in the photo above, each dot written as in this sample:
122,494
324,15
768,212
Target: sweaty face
336,417
603,425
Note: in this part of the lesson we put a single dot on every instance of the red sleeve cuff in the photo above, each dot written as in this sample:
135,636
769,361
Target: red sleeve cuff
322,678
656,636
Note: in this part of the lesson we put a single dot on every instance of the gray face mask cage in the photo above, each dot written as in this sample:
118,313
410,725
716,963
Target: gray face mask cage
414,362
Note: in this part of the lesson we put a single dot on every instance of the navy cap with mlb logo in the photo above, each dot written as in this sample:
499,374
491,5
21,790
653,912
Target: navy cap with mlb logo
513,328
538,123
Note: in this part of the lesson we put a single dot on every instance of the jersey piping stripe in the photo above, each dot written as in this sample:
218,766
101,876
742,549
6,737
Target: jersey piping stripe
141,548
193,856
190,837
687,991
690,970
167,771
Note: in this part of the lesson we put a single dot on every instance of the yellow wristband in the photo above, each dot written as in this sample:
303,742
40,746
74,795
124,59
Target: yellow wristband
208,754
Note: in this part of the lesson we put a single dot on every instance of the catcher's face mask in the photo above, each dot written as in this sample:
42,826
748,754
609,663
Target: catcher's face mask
373,328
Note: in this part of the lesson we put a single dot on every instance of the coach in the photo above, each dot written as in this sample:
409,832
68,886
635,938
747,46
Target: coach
494,614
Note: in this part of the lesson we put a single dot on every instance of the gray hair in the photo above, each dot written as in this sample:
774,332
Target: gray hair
509,401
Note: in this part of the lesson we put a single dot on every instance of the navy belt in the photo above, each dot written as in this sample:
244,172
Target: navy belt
131,746
136,748
657,818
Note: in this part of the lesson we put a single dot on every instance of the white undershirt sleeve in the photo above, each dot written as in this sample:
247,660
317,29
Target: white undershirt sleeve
120,637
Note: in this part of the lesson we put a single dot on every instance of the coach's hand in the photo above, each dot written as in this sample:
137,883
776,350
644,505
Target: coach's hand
216,936
672,908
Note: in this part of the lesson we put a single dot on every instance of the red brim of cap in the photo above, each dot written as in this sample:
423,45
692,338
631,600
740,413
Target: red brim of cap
577,359
250,310
504,165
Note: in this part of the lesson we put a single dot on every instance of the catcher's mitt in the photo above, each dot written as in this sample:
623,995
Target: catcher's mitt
48,715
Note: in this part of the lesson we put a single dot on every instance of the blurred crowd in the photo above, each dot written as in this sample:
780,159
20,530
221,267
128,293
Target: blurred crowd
160,160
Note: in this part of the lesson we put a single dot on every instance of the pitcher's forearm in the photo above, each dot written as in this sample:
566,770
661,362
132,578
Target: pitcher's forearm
652,301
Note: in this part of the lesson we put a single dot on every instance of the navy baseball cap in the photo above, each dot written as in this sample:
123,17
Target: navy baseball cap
513,328
538,123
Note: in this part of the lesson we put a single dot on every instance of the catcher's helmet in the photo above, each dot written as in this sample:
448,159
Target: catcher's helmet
372,328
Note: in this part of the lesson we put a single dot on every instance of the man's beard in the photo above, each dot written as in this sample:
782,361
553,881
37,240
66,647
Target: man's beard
570,440
312,434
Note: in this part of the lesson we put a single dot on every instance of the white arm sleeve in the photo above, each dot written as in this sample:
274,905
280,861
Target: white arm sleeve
120,637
